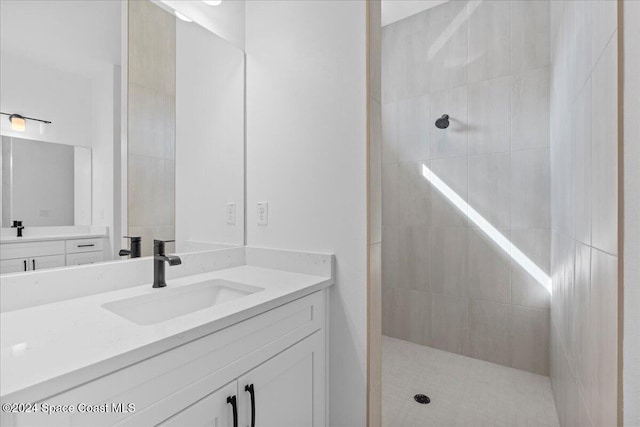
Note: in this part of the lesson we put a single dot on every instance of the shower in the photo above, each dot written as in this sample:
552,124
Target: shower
443,122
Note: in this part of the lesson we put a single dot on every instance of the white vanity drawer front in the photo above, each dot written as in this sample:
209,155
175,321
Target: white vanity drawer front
31,249
84,245
164,385
85,258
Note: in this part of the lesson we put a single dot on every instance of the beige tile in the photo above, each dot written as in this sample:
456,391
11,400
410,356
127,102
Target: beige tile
413,132
394,65
447,46
408,313
489,116
581,326
390,133
146,121
604,21
170,126
489,268
535,244
454,173
604,312
145,191
449,249
490,187
450,142
604,152
489,40
391,246
530,35
583,165
530,339
530,109
449,322
390,194
530,189
488,337
414,192
579,17
415,258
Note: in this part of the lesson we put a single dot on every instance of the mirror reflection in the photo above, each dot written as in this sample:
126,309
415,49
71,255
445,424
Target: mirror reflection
45,184
112,112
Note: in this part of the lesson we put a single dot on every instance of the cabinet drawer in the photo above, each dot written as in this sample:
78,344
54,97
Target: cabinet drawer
31,249
84,245
85,258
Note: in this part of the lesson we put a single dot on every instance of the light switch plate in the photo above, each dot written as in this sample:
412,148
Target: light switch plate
263,213
231,213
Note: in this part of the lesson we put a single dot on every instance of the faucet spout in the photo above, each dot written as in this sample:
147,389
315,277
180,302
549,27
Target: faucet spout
159,259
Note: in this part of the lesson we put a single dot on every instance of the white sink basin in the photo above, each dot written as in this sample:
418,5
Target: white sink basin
167,303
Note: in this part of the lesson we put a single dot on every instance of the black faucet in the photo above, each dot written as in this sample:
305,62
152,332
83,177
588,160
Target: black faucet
19,227
135,249
159,258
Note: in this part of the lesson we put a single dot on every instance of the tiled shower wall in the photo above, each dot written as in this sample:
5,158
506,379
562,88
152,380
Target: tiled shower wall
584,171
445,282
151,123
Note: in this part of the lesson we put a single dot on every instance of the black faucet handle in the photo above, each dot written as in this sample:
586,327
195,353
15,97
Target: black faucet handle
158,246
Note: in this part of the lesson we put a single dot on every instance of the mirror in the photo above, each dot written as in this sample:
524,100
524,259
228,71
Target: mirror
45,184
185,132
152,109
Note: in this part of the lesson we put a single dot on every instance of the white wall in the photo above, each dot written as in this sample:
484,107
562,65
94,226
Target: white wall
105,138
209,156
36,90
631,343
306,156
82,182
226,20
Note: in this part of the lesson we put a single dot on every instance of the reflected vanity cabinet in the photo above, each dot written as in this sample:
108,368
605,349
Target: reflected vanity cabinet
18,257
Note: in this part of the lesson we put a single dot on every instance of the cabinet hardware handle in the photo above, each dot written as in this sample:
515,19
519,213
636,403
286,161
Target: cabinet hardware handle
251,391
87,246
25,265
232,400
33,262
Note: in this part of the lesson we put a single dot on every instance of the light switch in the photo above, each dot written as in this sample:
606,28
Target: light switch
231,213
263,213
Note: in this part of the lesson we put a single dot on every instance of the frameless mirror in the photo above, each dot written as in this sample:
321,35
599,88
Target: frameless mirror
131,122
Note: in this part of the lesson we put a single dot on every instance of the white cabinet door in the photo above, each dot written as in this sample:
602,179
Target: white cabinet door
84,258
288,389
212,410
14,266
44,262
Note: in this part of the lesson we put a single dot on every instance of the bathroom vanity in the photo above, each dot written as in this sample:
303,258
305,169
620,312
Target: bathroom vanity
240,345
52,247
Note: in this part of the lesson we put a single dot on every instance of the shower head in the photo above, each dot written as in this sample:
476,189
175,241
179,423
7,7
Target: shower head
443,122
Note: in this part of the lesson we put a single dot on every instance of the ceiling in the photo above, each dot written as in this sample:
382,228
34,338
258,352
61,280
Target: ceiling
395,10
74,36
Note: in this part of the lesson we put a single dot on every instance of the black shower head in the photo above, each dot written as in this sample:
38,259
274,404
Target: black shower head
443,122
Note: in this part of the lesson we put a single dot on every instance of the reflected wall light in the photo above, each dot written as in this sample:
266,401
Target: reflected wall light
19,122
212,2
485,226
182,17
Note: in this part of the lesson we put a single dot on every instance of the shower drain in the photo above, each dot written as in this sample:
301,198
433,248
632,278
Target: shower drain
422,398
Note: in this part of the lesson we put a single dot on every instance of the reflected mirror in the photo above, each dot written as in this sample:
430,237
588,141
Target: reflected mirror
118,119
45,184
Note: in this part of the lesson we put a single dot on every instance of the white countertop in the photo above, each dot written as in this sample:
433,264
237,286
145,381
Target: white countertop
53,347
44,238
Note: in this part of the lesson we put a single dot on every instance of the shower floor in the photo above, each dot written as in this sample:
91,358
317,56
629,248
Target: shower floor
463,391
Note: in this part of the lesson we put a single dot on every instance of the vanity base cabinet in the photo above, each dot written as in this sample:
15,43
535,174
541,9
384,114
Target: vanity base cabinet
280,351
31,264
